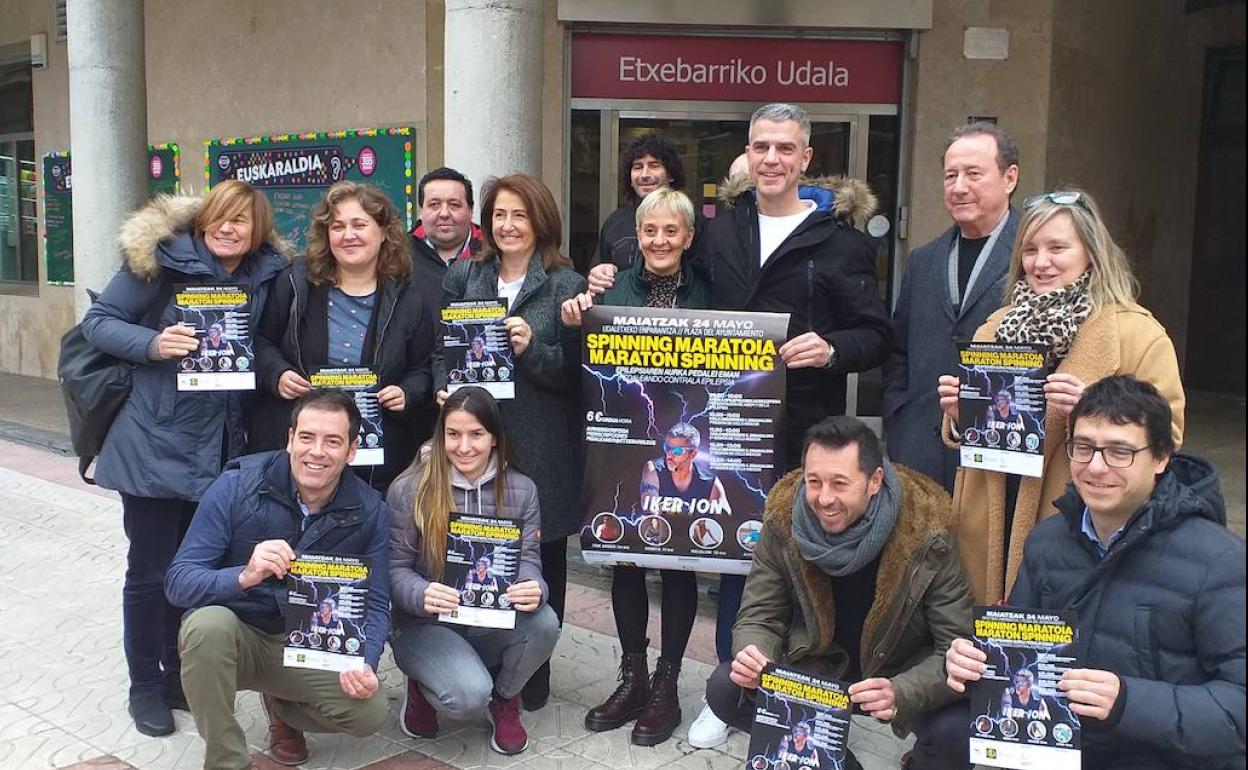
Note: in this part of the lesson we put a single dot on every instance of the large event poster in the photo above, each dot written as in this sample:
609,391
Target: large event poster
163,174
294,170
683,409
1001,406
1019,718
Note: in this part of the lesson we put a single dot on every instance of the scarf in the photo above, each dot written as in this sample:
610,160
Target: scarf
853,549
1050,319
660,289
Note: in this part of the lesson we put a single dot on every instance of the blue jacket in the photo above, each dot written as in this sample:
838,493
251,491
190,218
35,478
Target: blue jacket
1164,610
164,443
254,500
926,330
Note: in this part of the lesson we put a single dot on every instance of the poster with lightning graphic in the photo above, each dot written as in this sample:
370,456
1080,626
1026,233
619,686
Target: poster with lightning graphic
326,605
218,313
1019,718
1001,406
681,429
359,382
800,721
482,562
476,348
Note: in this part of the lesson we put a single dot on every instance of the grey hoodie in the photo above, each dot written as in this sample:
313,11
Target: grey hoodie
408,572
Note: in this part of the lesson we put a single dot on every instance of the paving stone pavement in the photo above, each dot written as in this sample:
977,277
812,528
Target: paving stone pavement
64,700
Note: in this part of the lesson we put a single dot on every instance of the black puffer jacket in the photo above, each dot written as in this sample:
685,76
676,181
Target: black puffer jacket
1164,610
823,275
294,334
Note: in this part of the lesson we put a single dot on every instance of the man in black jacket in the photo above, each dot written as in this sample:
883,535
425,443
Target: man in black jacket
1140,551
445,232
777,252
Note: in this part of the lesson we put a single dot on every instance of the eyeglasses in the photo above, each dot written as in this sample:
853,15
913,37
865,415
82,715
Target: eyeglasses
1059,197
676,451
1114,456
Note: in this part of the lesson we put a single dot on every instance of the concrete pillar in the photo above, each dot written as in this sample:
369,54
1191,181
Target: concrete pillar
493,113
107,132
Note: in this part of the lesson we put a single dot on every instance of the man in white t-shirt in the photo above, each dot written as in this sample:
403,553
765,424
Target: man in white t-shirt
777,251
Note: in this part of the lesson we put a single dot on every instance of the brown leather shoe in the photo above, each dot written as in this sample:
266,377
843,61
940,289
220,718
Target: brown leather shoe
661,716
629,698
287,745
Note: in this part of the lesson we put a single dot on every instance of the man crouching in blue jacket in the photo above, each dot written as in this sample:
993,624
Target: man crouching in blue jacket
1139,549
263,510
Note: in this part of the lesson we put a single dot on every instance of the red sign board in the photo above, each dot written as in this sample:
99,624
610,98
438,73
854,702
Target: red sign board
739,69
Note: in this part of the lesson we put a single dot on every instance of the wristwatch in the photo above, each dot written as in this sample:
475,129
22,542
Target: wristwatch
833,356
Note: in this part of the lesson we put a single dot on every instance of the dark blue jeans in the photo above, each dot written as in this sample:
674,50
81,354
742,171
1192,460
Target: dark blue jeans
155,528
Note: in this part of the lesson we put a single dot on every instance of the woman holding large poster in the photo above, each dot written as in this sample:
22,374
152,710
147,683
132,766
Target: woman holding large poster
662,279
520,263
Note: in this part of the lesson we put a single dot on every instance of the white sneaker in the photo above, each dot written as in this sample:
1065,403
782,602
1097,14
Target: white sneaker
707,731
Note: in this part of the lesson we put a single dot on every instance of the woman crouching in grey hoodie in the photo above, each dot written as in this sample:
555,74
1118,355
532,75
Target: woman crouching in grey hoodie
466,468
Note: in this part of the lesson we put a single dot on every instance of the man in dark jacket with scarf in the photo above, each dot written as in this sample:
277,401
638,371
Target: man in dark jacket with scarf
262,511
1140,552
776,251
854,577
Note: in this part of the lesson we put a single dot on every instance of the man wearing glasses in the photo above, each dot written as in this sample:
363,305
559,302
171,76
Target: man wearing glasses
1140,551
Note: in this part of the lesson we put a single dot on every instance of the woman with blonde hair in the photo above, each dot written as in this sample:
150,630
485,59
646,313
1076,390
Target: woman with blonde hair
166,446
466,467
521,262
348,303
1071,289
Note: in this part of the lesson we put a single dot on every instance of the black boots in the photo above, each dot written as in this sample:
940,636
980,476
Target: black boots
628,700
661,716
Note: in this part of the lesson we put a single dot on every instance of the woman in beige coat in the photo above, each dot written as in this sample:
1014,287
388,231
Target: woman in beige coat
1071,289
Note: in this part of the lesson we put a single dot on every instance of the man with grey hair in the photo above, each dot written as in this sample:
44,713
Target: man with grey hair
776,251
949,288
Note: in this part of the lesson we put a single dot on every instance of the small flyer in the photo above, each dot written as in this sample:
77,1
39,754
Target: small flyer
361,382
219,315
800,721
476,348
482,562
326,597
1019,718
1001,406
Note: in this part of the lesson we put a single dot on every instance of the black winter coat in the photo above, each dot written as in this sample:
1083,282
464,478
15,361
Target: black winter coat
1164,610
294,335
823,276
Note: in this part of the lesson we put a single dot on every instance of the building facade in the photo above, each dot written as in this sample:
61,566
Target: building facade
1141,103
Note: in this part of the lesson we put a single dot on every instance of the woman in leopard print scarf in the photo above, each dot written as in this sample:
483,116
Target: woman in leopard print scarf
1071,289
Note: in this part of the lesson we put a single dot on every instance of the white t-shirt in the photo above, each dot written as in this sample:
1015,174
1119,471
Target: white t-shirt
773,230
510,291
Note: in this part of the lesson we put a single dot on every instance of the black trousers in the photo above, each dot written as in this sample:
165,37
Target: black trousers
630,603
940,736
155,527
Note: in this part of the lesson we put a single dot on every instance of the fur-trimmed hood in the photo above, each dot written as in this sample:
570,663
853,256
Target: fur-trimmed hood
851,199
152,228
926,512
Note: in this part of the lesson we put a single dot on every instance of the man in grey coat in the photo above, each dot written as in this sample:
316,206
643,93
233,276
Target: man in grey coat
950,287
